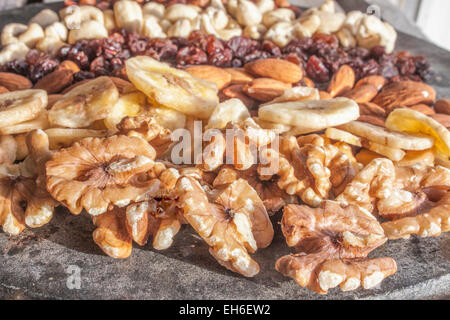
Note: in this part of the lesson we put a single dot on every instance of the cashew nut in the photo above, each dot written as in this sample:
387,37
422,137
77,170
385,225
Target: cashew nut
281,33
219,18
181,28
165,24
265,5
129,15
346,38
152,28
50,44
233,29
74,16
196,23
11,33
155,9
330,22
218,4
206,25
232,7
13,51
353,21
247,13
255,32
278,15
45,18
32,35
179,11
88,30
373,32
110,20
56,30
307,26
328,6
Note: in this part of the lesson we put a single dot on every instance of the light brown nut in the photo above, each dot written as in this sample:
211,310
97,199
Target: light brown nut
308,82
216,75
68,65
123,86
3,90
371,109
364,93
265,89
442,106
55,81
405,94
377,81
76,84
277,69
375,120
325,95
237,91
424,109
343,80
442,118
239,76
13,82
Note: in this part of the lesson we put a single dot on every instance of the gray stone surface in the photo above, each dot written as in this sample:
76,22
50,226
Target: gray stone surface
33,265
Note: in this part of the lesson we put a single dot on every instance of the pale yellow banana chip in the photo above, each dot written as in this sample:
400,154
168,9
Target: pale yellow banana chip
393,139
311,115
344,136
232,110
65,137
278,128
172,88
20,106
297,94
84,104
391,153
415,122
129,104
41,122
168,118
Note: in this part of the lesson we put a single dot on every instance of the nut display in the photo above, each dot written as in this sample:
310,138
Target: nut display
304,118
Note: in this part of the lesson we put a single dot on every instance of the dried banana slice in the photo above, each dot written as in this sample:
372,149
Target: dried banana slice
387,137
232,110
311,115
172,88
41,122
343,136
411,121
168,118
20,106
84,104
65,137
129,104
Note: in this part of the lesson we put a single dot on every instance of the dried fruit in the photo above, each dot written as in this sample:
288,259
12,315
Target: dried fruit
20,106
233,223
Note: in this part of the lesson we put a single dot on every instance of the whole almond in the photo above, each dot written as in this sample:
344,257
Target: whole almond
362,94
13,82
423,108
55,81
442,118
277,69
52,98
343,80
237,91
76,84
213,74
377,81
239,76
308,82
405,94
325,95
371,109
377,121
122,85
442,106
265,89
3,90
68,65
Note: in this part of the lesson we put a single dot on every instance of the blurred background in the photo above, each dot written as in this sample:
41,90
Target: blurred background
421,18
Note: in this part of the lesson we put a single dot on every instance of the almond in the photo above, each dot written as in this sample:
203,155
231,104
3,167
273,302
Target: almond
3,90
405,94
371,109
76,84
442,118
68,65
265,89
377,121
343,80
308,82
13,82
213,74
325,95
378,81
237,91
122,85
442,106
55,81
423,108
239,76
277,69
362,94
52,98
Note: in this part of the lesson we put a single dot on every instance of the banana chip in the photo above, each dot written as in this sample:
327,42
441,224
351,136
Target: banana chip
20,106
